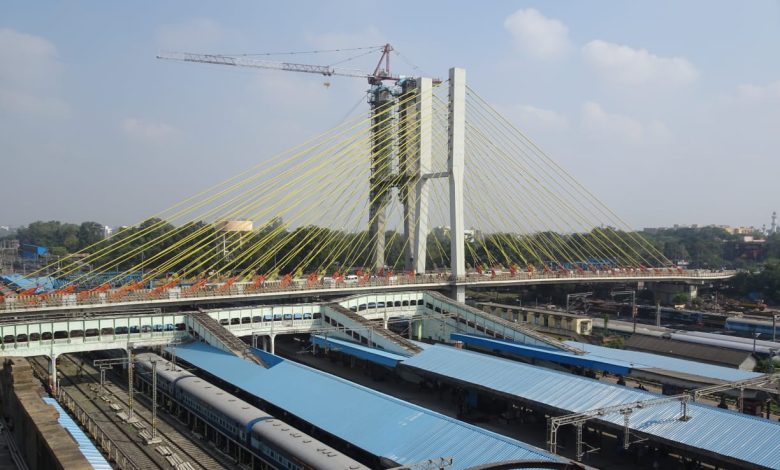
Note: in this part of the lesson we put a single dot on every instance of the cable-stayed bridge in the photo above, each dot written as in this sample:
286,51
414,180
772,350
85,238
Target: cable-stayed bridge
430,189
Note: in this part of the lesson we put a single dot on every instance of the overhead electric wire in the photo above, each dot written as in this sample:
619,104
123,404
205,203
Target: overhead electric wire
589,196
304,163
558,199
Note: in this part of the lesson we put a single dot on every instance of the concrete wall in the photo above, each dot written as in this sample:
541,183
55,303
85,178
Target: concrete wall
33,424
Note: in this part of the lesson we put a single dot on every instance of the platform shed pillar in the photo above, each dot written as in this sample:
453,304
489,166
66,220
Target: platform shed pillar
53,382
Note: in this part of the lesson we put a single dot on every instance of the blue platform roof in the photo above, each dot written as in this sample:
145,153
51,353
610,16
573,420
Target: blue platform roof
559,357
43,283
377,423
93,456
377,356
727,433
642,360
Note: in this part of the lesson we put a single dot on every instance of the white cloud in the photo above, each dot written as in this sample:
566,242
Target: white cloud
29,75
536,35
147,130
629,66
752,93
603,125
541,119
30,104
196,35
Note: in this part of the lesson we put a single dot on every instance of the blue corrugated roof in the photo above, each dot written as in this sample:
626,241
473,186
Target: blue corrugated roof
91,453
378,356
739,436
44,283
375,422
559,357
642,360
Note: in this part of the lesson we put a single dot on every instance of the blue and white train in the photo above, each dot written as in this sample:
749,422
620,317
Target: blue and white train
753,325
278,443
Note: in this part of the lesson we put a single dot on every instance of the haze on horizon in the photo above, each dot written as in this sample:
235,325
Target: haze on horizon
668,112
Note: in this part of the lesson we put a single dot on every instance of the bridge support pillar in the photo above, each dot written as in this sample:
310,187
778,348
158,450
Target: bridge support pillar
459,294
665,293
456,158
272,339
53,382
693,291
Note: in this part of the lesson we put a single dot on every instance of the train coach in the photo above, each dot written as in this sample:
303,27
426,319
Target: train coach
277,443
749,325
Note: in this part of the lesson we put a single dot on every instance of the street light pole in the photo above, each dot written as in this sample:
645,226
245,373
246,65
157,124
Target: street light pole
154,400
634,310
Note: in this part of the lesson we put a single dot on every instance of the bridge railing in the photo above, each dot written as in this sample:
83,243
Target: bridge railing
623,273
301,285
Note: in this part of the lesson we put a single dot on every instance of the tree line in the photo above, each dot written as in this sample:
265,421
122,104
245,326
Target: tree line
156,244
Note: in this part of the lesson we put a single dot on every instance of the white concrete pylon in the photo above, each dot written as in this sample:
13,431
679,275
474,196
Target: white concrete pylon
424,152
455,159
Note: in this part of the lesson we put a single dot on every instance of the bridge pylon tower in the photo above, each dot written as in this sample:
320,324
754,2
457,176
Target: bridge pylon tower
381,178
456,153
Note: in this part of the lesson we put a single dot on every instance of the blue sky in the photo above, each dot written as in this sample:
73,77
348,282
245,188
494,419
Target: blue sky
668,111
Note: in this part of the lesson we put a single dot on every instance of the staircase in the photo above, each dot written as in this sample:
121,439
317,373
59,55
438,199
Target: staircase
494,323
216,335
385,338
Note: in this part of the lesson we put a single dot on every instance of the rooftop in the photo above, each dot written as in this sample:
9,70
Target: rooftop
91,453
375,355
377,423
699,352
559,357
729,434
643,360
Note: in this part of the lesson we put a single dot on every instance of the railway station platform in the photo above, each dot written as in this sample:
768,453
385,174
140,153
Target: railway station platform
675,373
389,428
721,437
374,355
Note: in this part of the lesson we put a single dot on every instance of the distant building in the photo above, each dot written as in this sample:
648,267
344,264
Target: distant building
107,231
33,251
656,230
742,230
471,235
696,352
9,244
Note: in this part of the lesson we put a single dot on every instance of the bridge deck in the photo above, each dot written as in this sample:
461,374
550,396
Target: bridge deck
274,289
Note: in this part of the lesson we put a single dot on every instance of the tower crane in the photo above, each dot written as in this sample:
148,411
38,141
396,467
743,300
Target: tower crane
379,74
381,99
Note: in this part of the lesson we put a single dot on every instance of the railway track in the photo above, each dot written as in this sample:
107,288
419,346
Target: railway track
176,439
121,437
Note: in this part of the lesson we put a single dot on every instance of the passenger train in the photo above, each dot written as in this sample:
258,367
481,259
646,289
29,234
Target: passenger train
752,325
278,443
760,347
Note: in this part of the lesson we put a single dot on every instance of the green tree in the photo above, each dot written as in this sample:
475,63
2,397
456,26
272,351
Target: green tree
765,366
89,234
